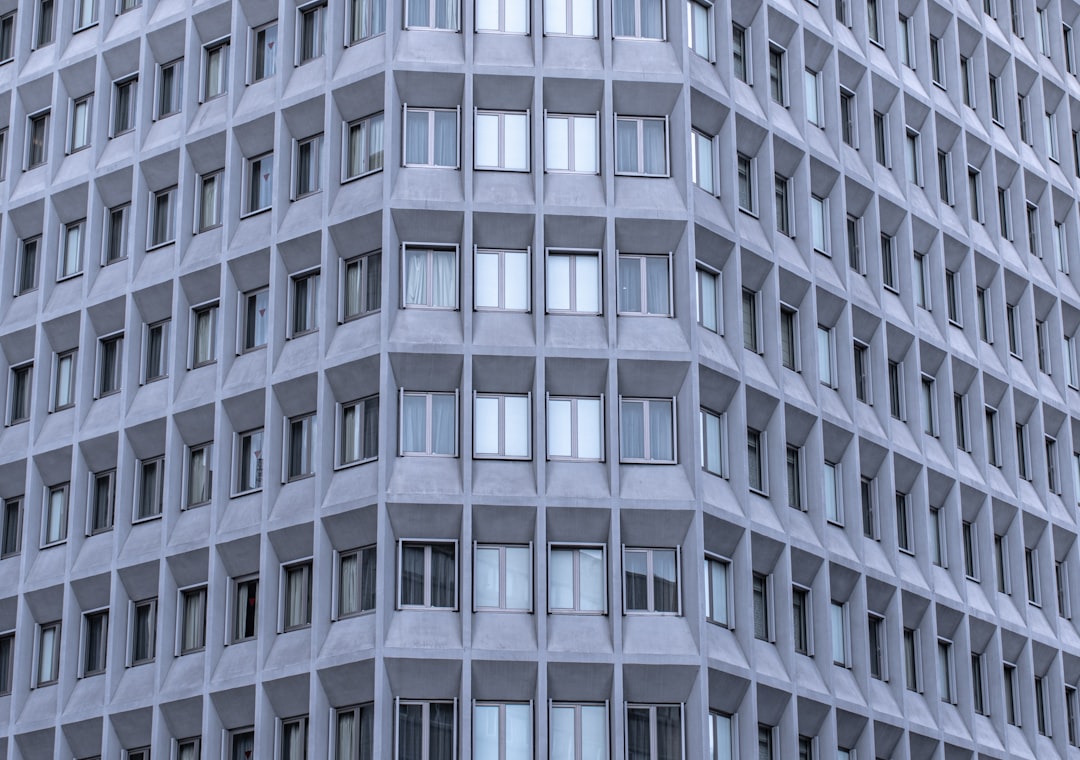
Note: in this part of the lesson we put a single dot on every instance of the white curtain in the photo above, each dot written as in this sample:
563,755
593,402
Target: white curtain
64,371
486,573
516,13
699,24
718,589
515,137
446,14
632,430
594,732
367,580
294,741
416,276
657,293
630,284
143,633
486,279
711,436
346,742
215,71
351,418
652,19
562,733
417,13
446,126
80,124
149,493
626,136
665,581
443,427
199,477
417,122
374,282
297,580
357,150
257,319
636,580
704,161
444,279
72,248
349,590
55,527
624,18
518,732
204,338
411,732
561,579
414,423
661,444
243,746
194,619
516,418
47,665
208,204
375,138
558,282
654,146
266,61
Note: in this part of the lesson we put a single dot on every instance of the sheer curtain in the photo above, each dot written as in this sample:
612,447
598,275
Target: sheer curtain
636,569
412,575
243,746
587,284
559,429
657,293
443,427
486,732
63,380
637,734
652,19
55,527
654,146
516,426
446,14
441,729
194,619
71,248
257,319
516,125
413,423
624,18
416,276
590,434
374,281
518,577
199,477
444,279
162,228
411,732
375,138
358,137
142,633
632,430
593,579
558,282
446,129
351,420
47,664
371,428
561,579
486,574
486,279
557,137
668,733
204,326
630,284
518,732
364,744
562,731
516,280
208,204
711,436
594,732
665,581
367,580
443,572
486,428
294,741
349,591
346,741
626,135
487,124
297,582
416,122
661,446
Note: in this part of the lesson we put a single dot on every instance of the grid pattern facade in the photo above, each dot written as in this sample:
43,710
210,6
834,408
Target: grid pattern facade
539,380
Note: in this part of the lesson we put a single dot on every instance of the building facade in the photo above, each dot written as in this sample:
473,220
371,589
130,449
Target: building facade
642,379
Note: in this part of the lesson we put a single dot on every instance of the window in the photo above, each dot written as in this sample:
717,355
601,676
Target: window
877,642
912,157
747,191
356,582
215,70
795,478
834,506
765,739
304,303
839,626
156,351
1072,362
826,356
115,245
896,390
3,132
755,460
571,143
937,61
761,593
123,115
264,51
249,461
573,282
502,426
64,381
353,732
85,14
939,554
170,84
260,183
310,34
868,503
946,676
789,338
359,432
109,356
241,744
646,430
641,143
960,422
919,276
1012,693
151,486
654,732
575,428
996,104
912,666
1072,714
11,540
427,575
1061,247
430,278
431,135
192,619
975,194
501,139
639,18
1004,219
873,22
578,731
644,287
364,146
307,167
428,423
907,42
978,685
255,319
717,593
651,580
819,223
812,87
881,140
7,37
366,18
1031,215
37,140
70,258
95,642
80,124
362,285
740,53
502,730
1012,323
713,443
904,528
577,579
751,323
777,75
426,730
699,20
1050,134
502,577
983,309
929,405
48,654
199,474
1061,583
102,501
501,280
7,658
245,609
800,616
953,297
1031,568
142,753
1001,564
432,14
861,363
1044,31
849,130
1042,345
45,28
296,596
1042,716
203,335
889,277
188,749
161,217
945,188
709,303
702,154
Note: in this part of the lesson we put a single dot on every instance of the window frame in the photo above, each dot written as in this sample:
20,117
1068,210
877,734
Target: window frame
501,136
80,124
654,726
310,184
647,404
501,426
123,120
430,296
572,289
155,236
37,155
644,259
53,675
172,94
431,162
101,516
503,604
576,579
363,280
429,442
503,276
363,405
193,453
305,290
651,579
198,644
360,553
571,143
427,545
209,352
640,168
143,496
256,477
726,619
93,660
243,590
211,88
311,17
364,125
575,440
289,572
253,166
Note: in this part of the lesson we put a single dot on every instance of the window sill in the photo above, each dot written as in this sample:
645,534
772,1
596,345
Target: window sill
250,349
148,518
501,458
207,228
368,173
256,211
248,492
298,478
590,613
354,463
352,615
503,169
155,246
